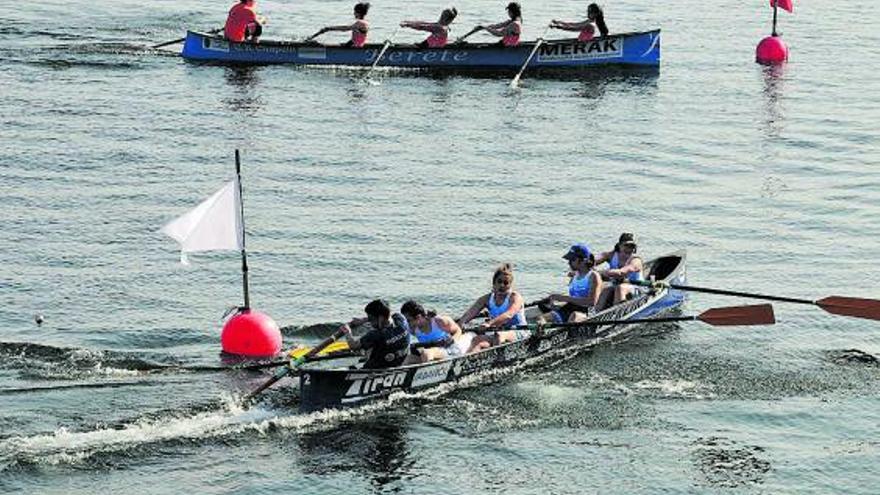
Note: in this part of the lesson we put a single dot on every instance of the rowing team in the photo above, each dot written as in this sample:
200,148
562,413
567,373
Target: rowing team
416,336
243,24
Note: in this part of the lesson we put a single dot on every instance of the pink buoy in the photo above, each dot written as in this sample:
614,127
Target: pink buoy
252,334
771,50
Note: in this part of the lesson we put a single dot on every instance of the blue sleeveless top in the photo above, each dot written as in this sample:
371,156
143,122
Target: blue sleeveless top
435,334
614,264
517,319
580,287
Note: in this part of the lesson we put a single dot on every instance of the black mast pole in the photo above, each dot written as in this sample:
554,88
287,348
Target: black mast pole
244,265
775,8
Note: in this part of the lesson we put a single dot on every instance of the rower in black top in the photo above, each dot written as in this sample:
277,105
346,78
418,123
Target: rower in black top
388,342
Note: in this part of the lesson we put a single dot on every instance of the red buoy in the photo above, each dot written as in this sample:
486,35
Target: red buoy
771,50
252,334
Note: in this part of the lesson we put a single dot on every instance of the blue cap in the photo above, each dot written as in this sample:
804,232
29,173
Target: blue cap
578,250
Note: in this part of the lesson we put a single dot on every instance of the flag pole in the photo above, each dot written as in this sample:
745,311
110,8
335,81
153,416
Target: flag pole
775,8
244,265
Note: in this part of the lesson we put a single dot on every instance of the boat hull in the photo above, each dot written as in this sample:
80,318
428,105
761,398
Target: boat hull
637,49
339,388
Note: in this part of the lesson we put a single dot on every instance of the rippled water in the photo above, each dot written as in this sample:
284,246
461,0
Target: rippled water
417,187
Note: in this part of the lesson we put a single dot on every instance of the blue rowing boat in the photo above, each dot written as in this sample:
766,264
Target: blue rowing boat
340,387
630,49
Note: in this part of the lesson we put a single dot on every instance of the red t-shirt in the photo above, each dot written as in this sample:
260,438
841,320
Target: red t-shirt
240,16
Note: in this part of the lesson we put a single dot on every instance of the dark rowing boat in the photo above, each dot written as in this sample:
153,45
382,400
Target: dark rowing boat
343,387
630,49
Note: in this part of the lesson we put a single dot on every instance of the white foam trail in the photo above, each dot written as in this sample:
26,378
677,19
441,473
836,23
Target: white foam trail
675,388
65,446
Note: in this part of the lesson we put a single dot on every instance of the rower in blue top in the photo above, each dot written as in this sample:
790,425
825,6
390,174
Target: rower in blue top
584,289
506,311
437,336
624,268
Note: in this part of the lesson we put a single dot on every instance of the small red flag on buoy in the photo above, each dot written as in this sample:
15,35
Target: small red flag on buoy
783,4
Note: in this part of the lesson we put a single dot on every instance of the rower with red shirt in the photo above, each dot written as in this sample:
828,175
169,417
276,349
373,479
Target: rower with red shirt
243,23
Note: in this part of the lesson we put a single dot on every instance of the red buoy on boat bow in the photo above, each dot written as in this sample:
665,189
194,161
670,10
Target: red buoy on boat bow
251,333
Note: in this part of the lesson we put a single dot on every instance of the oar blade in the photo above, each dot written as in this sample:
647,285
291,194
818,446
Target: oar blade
756,314
851,306
334,347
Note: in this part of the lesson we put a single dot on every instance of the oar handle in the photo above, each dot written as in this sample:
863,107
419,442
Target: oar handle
296,362
472,31
180,40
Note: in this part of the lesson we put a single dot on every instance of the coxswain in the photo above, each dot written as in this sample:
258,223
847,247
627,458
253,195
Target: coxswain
584,289
243,23
586,29
506,310
387,342
436,336
358,28
509,30
439,30
624,269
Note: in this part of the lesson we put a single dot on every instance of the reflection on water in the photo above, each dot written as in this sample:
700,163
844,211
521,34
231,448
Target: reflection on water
773,86
375,446
245,82
442,93
594,85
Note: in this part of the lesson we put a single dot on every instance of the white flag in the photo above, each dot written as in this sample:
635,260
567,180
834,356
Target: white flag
212,226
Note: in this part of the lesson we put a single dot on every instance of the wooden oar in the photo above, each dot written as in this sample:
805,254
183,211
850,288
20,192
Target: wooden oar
538,43
294,364
334,347
382,52
434,343
838,305
759,314
181,40
472,31
324,356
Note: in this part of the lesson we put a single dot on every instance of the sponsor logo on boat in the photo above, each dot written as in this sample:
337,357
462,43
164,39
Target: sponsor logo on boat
264,48
368,384
476,362
420,57
312,52
553,341
431,374
515,352
216,45
579,50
